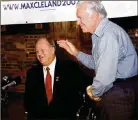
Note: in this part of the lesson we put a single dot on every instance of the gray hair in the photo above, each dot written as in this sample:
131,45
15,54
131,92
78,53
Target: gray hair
95,5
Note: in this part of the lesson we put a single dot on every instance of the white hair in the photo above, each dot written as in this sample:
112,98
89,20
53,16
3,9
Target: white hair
95,5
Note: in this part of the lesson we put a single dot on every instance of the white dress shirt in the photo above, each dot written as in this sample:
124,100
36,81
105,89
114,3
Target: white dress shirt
52,71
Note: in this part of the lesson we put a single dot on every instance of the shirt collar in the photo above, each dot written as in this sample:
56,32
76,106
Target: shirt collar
99,29
52,65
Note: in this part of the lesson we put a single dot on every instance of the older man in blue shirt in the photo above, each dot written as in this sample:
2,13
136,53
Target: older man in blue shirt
113,58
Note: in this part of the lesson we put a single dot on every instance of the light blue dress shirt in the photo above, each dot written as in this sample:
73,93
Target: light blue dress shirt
113,56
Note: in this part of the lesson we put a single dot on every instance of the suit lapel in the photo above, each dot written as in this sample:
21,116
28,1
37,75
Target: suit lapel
41,78
56,80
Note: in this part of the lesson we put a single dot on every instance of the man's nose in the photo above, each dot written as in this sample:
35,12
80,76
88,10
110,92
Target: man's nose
39,54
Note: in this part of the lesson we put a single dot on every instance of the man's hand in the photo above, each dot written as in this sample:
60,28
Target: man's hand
68,46
89,93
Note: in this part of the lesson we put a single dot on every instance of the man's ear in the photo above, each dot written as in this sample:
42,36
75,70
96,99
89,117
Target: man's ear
53,50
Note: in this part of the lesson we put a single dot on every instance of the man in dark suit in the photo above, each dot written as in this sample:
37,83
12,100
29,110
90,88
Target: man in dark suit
67,81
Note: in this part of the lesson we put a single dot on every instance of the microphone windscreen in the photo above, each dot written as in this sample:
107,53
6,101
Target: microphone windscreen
5,78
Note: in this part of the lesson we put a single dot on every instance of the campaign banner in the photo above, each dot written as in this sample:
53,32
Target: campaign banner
23,12
116,9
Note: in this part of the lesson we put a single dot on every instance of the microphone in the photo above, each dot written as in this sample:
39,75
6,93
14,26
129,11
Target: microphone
15,81
5,78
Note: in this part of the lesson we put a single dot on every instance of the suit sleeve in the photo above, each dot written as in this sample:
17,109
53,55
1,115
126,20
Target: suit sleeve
83,78
29,93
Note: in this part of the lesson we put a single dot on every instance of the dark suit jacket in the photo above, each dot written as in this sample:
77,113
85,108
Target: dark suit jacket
69,81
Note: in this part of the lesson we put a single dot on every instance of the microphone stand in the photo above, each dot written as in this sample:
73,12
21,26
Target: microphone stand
4,102
5,95
83,105
86,110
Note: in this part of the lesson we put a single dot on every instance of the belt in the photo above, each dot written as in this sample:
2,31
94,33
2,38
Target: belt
126,79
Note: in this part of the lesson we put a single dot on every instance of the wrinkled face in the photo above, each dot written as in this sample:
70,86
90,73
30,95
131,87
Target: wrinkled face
45,52
86,21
